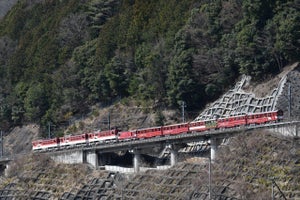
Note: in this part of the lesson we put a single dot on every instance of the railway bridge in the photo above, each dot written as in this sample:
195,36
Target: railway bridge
99,154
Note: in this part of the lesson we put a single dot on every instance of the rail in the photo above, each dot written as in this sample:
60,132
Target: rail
168,139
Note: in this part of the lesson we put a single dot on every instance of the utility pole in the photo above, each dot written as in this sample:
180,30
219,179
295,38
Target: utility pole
1,132
209,179
49,129
108,120
183,105
273,196
290,100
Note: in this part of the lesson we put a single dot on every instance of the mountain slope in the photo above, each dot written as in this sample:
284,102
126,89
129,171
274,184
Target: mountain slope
60,58
244,169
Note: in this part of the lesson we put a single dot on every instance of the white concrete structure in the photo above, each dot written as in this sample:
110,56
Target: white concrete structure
290,131
72,157
92,158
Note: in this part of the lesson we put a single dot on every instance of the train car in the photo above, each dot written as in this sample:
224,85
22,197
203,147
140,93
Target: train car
231,122
116,135
175,129
148,132
103,136
262,118
202,125
45,144
126,135
72,140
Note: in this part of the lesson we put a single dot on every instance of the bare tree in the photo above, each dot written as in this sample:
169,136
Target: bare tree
73,30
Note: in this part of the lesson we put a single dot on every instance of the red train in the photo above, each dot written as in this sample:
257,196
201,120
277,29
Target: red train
116,135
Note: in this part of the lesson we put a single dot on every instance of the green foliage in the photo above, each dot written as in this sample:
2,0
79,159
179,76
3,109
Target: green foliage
287,35
117,77
182,83
265,36
60,57
36,102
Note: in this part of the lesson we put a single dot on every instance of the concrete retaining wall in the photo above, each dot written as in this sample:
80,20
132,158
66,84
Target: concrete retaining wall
291,131
68,157
127,170
285,95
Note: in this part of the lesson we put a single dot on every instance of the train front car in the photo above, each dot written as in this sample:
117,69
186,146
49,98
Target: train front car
47,144
266,117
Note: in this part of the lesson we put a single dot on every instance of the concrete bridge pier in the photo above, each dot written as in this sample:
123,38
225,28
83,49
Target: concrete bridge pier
173,155
214,143
136,160
6,170
91,157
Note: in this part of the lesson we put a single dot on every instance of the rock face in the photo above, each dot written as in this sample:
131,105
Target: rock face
5,6
289,100
282,92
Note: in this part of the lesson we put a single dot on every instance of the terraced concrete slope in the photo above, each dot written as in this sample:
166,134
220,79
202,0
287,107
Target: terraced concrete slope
244,169
281,92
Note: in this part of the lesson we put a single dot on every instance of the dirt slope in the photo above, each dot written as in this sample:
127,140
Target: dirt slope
243,170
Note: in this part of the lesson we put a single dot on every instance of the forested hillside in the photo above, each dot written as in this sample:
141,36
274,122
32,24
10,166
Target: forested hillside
58,58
